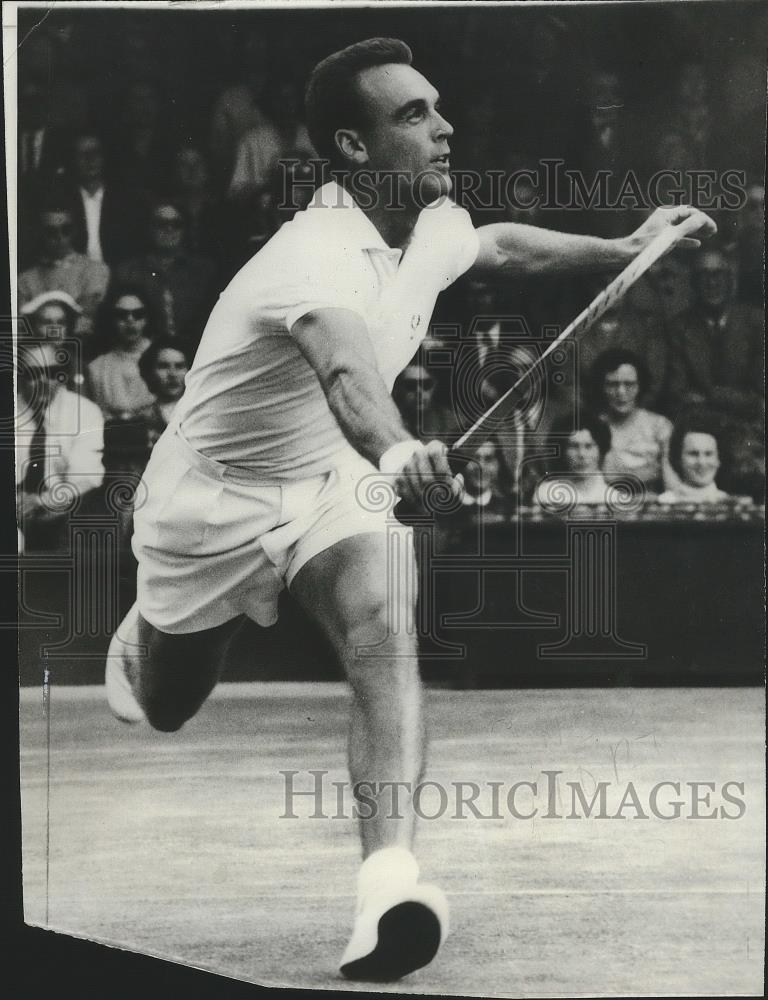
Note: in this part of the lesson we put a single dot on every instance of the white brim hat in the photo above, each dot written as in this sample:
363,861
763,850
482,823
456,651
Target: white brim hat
45,297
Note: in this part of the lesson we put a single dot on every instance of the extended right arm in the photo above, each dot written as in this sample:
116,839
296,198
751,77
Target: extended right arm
336,344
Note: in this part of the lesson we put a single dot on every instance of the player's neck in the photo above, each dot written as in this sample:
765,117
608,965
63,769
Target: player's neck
394,225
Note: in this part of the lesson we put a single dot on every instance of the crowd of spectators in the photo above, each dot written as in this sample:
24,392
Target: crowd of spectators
137,202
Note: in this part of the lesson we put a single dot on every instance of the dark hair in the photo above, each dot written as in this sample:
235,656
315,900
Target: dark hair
332,99
564,427
607,362
693,424
148,359
105,315
505,480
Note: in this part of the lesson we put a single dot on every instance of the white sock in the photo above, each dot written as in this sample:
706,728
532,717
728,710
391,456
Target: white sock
385,868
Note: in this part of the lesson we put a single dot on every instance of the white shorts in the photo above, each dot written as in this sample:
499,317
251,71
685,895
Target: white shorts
213,542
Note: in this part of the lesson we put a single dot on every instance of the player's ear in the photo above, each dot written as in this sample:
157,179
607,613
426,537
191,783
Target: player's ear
350,145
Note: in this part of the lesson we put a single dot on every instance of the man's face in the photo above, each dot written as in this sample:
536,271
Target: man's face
416,389
699,459
167,229
89,159
582,453
168,375
50,321
405,130
57,234
483,472
191,169
713,280
621,388
41,373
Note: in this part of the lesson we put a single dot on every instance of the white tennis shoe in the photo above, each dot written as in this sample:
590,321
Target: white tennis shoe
120,697
400,924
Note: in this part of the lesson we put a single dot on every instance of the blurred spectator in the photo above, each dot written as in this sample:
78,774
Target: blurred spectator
671,279
59,443
693,115
750,236
743,81
239,108
42,150
113,380
51,316
108,216
163,366
414,395
616,328
487,488
142,153
695,456
180,285
669,153
576,477
66,101
278,136
639,438
717,346
60,268
191,189
605,148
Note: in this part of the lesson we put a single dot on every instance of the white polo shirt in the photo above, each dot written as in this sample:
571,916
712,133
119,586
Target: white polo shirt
252,400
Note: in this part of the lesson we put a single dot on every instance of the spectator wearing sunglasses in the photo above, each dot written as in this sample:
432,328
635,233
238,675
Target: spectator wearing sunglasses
113,378
59,442
415,394
60,268
180,285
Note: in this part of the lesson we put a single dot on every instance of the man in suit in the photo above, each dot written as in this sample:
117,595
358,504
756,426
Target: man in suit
717,346
108,218
59,442
40,160
716,367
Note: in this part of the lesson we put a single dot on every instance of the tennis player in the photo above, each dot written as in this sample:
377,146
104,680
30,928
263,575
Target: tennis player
254,485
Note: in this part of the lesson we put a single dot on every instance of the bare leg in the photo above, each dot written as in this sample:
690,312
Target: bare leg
172,675
344,589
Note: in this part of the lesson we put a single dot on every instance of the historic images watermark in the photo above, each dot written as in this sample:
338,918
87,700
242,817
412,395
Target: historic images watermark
310,795
548,185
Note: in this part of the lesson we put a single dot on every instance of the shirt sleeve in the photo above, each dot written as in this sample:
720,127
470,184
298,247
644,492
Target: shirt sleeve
325,275
448,239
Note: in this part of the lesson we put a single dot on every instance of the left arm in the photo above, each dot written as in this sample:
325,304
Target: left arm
516,249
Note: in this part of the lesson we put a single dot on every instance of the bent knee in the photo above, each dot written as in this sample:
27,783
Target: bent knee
382,621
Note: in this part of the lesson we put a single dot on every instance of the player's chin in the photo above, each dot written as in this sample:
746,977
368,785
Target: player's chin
431,184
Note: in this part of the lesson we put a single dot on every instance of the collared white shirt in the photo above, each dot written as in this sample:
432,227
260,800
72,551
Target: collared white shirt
92,207
481,500
74,441
252,399
684,493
